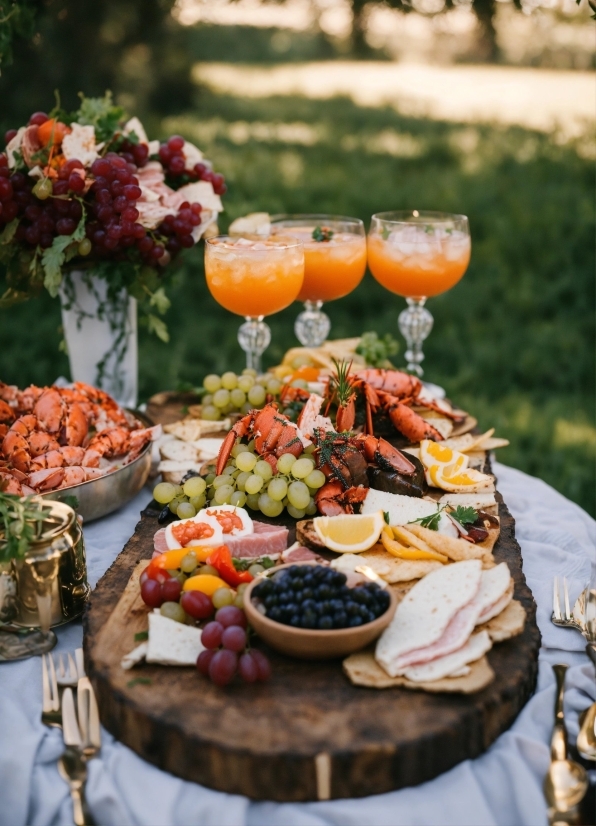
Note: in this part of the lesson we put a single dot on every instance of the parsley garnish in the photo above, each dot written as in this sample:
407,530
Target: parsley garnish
386,517
322,234
465,516
244,564
141,636
431,522
139,681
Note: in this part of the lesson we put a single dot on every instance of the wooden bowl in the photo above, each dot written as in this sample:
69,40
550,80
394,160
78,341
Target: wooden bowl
307,644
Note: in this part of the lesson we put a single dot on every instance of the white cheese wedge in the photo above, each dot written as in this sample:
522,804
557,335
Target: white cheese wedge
401,509
478,501
208,447
477,645
135,656
172,643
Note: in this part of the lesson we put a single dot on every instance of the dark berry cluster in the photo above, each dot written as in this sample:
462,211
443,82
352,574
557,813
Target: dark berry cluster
314,596
174,164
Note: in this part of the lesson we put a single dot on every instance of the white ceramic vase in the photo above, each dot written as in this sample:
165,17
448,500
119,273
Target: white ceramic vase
101,336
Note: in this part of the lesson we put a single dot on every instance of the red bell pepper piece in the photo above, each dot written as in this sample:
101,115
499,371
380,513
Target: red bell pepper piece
221,559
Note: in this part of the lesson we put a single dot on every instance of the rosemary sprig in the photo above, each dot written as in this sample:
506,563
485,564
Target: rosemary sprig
342,386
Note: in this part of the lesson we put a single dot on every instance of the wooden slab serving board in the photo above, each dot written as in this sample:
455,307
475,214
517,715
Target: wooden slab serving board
307,734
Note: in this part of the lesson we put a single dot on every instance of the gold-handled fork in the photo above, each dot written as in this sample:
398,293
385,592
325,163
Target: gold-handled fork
51,715
564,617
82,738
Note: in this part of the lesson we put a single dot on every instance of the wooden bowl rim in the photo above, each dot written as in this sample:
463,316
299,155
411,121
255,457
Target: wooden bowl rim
315,633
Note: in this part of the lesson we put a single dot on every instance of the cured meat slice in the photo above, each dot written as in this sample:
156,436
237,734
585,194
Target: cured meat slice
266,540
472,650
297,553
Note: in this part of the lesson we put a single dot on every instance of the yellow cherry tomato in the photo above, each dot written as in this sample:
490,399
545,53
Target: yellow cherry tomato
207,583
172,559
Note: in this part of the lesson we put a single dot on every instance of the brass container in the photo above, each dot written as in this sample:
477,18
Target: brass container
51,580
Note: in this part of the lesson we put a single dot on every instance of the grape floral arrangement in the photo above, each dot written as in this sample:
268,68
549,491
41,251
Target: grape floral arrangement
88,191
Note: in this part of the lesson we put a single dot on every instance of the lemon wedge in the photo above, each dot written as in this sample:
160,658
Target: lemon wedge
437,453
455,480
349,533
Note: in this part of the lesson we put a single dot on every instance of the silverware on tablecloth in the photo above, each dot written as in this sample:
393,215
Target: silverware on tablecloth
566,782
73,765
586,739
564,616
51,715
82,738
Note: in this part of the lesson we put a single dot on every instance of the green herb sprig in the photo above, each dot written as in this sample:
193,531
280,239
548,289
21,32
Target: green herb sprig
465,516
322,234
20,522
431,522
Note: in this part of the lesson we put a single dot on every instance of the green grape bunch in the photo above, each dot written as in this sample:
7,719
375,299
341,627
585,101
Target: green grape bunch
248,481
230,393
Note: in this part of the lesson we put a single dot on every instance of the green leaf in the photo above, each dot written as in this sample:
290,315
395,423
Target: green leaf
160,301
70,500
102,114
138,681
431,522
141,636
157,326
55,256
465,516
386,517
8,232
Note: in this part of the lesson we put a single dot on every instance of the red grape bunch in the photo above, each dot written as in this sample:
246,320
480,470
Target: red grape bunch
225,640
174,163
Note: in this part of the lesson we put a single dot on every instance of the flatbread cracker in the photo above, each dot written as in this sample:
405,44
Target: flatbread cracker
493,443
392,569
468,424
188,430
509,623
489,543
441,423
362,669
455,549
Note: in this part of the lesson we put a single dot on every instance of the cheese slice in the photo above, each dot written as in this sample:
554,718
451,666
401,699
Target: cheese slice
135,656
478,501
172,643
401,509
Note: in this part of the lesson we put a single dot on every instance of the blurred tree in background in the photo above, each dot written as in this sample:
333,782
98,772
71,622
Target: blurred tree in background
133,47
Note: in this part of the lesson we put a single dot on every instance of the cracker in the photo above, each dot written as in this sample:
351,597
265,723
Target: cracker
393,569
493,443
468,424
188,430
179,451
456,549
441,423
509,623
489,543
362,669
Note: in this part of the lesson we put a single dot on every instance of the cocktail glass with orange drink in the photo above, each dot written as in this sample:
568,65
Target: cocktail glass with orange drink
254,279
418,255
334,264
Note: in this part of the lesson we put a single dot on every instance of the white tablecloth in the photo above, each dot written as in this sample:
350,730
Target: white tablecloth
501,787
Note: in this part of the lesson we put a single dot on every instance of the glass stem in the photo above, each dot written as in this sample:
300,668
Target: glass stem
254,337
415,323
312,326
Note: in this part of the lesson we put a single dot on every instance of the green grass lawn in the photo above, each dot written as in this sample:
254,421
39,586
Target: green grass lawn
513,342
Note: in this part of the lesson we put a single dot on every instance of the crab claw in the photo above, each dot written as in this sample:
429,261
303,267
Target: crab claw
332,499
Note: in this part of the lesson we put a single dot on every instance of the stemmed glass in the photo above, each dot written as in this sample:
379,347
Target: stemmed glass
417,255
254,279
334,265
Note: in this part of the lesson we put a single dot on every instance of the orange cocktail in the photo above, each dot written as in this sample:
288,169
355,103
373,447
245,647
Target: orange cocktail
254,279
416,262
418,255
334,265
